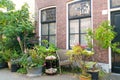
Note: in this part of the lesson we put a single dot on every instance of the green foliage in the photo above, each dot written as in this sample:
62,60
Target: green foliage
89,38
7,4
13,24
22,70
40,49
115,47
7,55
18,23
36,59
79,54
104,34
15,55
23,61
10,55
1,57
51,48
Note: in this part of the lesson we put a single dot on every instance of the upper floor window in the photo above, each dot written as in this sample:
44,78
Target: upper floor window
114,3
79,9
48,15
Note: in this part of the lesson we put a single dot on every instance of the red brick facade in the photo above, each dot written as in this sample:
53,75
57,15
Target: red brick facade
98,17
97,7
60,18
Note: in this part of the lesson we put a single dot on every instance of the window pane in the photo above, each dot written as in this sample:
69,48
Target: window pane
52,39
74,26
44,29
52,28
115,3
74,39
85,24
78,9
44,38
83,39
49,15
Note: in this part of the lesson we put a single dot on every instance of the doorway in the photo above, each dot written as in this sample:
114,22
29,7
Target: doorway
115,21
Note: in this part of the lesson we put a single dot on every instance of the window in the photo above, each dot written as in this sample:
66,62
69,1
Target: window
114,3
79,9
79,22
48,25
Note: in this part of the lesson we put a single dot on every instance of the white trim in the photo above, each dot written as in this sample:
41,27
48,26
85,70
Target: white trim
67,26
115,9
109,49
104,67
47,7
40,22
92,16
39,26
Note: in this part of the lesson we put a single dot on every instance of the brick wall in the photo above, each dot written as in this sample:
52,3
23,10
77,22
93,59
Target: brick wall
98,17
60,18
98,6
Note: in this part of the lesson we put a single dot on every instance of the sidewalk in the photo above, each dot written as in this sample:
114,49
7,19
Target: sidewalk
6,74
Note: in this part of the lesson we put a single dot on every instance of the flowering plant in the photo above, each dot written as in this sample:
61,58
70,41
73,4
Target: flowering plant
79,54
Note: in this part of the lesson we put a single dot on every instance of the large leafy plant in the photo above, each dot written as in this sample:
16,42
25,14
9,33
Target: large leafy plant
104,34
15,24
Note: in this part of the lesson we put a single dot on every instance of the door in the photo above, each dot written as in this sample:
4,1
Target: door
115,21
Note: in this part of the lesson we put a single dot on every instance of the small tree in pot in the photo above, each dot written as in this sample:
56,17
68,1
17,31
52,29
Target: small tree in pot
79,54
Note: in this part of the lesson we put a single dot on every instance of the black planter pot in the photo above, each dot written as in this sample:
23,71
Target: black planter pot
94,75
14,67
3,65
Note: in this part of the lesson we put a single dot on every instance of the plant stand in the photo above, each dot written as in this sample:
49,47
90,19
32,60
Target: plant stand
51,65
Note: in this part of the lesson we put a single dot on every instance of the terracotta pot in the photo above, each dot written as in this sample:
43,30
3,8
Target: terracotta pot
82,77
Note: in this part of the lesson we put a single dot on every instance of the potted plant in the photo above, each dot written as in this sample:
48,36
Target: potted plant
35,62
79,54
7,57
3,64
102,36
14,61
